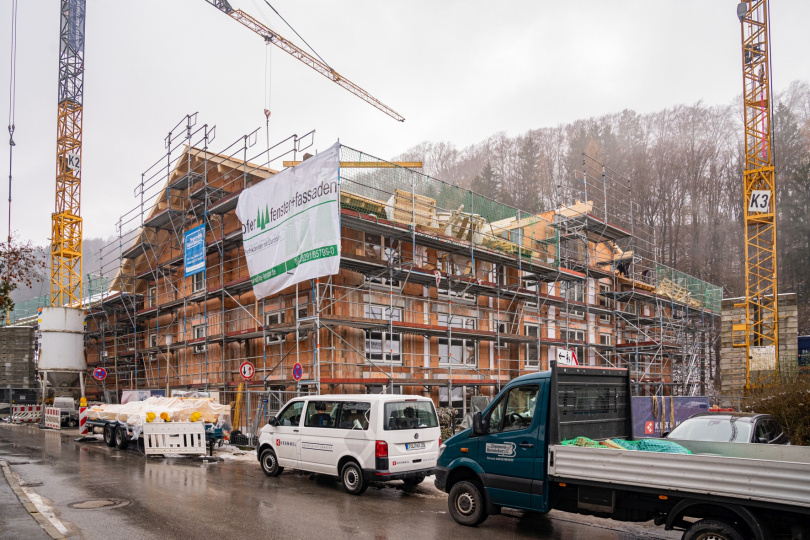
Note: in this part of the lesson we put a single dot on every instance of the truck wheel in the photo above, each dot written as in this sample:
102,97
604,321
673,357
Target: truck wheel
121,438
270,463
109,435
711,529
353,480
466,503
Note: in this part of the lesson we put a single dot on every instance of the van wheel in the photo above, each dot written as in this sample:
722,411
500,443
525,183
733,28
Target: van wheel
109,435
353,480
466,503
270,463
121,438
711,529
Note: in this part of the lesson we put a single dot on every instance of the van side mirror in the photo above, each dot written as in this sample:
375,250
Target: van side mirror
479,426
272,421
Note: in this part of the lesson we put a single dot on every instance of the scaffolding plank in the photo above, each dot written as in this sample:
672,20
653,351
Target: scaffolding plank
168,219
140,247
226,204
186,180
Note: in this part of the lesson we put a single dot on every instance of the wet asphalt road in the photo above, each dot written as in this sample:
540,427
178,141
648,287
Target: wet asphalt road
186,498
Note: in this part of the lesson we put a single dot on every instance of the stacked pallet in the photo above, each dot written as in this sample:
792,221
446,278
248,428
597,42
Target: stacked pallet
462,225
411,209
670,289
362,204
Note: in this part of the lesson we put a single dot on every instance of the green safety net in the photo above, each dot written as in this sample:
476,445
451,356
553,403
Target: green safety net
688,290
408,197
643,445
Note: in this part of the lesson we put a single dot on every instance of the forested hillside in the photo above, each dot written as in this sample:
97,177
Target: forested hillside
685,167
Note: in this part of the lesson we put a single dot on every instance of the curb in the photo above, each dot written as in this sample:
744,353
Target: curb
28,505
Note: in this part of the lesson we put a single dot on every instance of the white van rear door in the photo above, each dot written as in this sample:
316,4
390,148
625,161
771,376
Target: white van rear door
411,429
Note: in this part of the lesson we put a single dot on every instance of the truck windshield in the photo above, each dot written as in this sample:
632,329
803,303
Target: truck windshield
410,415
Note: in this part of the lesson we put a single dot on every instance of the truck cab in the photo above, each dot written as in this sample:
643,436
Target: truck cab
500,460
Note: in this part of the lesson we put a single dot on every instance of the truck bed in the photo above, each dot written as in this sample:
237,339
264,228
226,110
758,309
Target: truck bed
770,474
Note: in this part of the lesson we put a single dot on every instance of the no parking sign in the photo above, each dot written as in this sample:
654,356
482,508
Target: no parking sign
99,374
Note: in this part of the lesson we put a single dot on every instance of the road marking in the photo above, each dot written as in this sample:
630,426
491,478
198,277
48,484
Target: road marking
44,508
13,480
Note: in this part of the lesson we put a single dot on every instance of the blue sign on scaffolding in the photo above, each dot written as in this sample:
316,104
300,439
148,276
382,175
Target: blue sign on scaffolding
194,252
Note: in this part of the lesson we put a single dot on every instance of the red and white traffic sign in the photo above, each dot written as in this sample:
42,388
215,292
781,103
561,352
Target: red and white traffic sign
99,374
566,357
247,370
298,371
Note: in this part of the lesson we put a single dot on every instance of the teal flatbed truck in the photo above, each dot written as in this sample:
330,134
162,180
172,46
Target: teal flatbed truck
512,457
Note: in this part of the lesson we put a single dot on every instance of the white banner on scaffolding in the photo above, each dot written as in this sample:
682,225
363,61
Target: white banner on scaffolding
291,224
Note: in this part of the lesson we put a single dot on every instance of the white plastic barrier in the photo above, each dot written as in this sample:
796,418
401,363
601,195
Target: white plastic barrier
174,438
53,418
23,414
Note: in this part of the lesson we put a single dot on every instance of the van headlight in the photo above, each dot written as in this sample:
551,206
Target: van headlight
441,450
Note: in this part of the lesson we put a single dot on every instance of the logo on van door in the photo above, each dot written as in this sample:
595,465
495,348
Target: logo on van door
323,447
501,450
279,442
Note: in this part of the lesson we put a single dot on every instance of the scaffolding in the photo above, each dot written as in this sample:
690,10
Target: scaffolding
665,322
441,291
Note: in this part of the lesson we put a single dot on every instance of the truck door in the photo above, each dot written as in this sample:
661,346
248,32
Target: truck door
509,449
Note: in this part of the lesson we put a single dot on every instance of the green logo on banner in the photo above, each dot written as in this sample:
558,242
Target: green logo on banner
263,220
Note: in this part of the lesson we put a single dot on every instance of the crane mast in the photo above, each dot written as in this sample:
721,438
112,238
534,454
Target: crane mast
296,52
761,312
66,221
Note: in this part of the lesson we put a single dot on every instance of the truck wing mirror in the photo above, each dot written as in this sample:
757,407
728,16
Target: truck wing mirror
272,421
479,427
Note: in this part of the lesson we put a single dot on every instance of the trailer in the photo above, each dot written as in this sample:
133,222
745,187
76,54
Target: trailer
160,438
162,425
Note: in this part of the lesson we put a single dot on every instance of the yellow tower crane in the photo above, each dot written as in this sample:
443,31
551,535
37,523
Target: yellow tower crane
761,326
66,221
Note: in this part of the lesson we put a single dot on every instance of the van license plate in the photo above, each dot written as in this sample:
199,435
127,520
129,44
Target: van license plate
415,446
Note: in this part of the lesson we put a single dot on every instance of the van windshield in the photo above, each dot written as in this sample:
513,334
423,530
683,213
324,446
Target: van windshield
410,415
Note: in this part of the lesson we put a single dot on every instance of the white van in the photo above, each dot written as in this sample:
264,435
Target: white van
359,438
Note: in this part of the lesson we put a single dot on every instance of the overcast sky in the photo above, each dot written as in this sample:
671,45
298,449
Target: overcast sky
457,70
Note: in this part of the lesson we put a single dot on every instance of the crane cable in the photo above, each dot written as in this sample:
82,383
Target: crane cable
299,35
12,97
267,86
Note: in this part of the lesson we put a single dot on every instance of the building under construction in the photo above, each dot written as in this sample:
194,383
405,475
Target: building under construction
441,291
